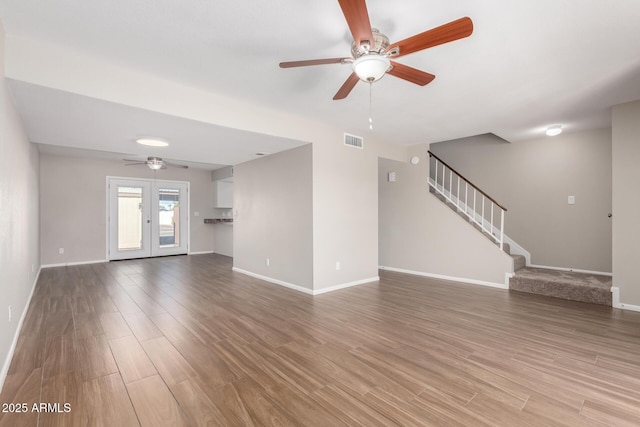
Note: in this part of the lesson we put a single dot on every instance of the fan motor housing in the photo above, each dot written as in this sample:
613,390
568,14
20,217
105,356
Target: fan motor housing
380,44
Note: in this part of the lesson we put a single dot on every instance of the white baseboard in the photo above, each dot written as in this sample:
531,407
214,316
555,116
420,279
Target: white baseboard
615,296
577,270
629,307
274,281
615,301
200,253
450,278
12,349
68,264
303,289
345,285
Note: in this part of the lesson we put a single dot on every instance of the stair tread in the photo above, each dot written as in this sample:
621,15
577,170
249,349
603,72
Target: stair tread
567,277
570,285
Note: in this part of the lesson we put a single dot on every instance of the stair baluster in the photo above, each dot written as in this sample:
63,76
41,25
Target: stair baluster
496,232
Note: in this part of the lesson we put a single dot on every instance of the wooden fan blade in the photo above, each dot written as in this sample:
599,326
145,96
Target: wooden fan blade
446,33
306,63
355,12
173,165
346,88
133,160
137,163
410,74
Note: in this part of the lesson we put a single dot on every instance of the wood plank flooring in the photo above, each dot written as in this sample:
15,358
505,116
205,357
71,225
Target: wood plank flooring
184,341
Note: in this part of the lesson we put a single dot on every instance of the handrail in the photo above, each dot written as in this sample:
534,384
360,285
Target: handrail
465,179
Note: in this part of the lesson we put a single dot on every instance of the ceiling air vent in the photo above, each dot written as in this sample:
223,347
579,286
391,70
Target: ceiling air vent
353,141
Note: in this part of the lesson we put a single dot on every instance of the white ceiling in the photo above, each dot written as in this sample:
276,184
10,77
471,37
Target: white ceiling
59,118
528,64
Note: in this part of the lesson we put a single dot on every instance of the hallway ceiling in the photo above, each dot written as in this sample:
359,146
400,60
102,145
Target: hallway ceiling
527,65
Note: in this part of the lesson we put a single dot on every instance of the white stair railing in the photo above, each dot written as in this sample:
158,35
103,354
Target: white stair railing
467,198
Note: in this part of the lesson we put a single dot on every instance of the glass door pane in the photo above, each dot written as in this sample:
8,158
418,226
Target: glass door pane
169,217
129,218
169,231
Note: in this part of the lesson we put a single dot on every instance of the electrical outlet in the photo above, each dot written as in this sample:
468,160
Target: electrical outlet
268,262
337,265
10,313
61,251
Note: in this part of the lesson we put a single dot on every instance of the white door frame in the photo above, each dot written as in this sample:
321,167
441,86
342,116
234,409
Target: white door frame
153,215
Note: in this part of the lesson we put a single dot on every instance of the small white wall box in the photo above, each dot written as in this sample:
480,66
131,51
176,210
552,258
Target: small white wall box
391,177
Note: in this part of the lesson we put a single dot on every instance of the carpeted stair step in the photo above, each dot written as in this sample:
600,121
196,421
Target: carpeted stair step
519,262
570,285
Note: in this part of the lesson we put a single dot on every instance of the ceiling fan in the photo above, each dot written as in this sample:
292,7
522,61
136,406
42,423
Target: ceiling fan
372,53
154,163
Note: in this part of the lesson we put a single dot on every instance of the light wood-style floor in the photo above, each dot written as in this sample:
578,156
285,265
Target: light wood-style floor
185,341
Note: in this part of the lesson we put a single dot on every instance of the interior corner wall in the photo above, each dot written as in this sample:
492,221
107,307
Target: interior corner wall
420,234
19,225
626,201
533,179
345,209
273,217
74,206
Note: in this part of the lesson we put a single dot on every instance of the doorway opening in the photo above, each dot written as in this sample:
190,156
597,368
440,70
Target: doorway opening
147,218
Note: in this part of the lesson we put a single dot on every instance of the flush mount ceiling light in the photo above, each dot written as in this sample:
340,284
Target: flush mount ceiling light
554,130
152,142
371,67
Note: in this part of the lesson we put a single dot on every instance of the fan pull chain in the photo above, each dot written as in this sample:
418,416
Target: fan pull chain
370,105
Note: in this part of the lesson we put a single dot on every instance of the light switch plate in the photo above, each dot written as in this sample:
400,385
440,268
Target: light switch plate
571,200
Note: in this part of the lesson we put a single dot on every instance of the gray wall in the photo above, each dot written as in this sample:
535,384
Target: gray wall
533,180
19,226
74,205
419,233
345,208
626,201
272,201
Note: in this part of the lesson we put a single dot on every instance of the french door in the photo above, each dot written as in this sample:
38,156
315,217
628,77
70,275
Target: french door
147,218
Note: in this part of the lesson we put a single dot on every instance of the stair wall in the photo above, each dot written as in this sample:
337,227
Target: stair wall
418,233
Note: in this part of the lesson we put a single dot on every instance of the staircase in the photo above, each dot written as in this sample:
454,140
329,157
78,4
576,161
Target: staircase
462,197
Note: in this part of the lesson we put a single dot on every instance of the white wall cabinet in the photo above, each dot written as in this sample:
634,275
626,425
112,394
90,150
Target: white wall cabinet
223,194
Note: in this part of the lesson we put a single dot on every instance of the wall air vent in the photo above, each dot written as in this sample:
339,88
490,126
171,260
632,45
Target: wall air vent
353,141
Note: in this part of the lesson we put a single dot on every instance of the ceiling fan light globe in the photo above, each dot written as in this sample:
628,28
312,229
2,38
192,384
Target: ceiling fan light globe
370,68
155,163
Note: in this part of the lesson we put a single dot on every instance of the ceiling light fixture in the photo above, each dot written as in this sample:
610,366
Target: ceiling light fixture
554,130
371,67
152,142
155,163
